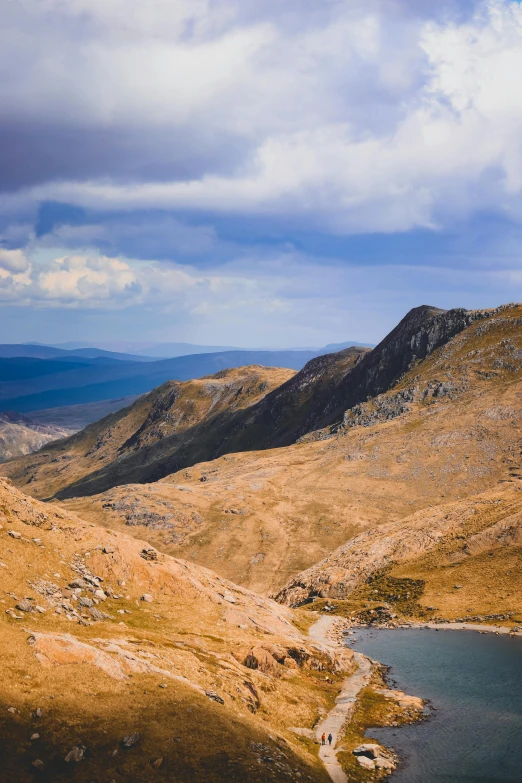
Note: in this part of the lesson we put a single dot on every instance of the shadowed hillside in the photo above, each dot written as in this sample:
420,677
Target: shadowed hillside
177,424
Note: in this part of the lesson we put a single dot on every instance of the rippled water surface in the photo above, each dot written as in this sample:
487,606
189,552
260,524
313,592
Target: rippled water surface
475,682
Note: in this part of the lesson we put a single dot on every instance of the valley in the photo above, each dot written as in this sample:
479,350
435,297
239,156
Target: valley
379,487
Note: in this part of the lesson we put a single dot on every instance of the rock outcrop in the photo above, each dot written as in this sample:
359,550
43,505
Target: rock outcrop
20,435
451,535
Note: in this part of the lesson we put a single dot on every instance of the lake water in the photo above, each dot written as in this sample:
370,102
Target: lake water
475,682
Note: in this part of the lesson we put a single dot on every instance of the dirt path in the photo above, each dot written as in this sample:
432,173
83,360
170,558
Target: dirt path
344,703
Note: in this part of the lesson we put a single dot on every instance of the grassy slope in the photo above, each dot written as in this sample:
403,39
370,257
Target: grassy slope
181,632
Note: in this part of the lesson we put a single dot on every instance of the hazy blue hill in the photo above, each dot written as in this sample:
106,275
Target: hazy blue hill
68,383
38,351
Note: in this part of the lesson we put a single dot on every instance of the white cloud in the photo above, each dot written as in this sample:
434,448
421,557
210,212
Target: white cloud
353,117
358,118
94,282
13,261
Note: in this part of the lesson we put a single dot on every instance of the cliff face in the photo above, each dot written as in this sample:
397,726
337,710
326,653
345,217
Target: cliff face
421,332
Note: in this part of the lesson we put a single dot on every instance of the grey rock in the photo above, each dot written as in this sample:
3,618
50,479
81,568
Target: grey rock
215,697
76,754
131,739
366,763
25,606
81,583
369,749
14,534
149,554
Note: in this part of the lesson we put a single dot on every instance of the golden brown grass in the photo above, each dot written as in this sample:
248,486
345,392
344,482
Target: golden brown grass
182,633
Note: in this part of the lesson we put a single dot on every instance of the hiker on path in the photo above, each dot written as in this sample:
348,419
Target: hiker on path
330,738
323,739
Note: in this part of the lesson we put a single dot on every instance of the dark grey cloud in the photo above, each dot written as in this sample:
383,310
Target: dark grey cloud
36,153
177,90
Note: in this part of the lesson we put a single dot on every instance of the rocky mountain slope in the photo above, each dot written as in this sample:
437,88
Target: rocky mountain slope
177,424
20,435
260,518
120,662
316,397
457,560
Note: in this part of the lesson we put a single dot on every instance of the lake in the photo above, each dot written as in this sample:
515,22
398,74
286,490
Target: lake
475,683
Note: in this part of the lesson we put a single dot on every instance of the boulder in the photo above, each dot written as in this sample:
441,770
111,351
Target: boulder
365,762
262,659
215,697
368,749
25,606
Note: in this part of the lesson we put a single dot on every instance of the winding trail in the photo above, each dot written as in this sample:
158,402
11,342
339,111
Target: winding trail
344,703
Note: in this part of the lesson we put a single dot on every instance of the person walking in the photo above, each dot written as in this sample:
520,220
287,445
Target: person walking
330,738
323,739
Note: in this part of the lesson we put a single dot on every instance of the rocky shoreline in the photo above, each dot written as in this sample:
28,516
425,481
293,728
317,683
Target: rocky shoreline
369,756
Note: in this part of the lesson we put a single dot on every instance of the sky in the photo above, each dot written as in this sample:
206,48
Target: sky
255,174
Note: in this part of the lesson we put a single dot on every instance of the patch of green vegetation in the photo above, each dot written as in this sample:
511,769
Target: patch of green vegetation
380,596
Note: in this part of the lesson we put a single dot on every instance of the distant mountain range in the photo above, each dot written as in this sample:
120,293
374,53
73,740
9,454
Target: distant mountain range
39,351
37,377
169,350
